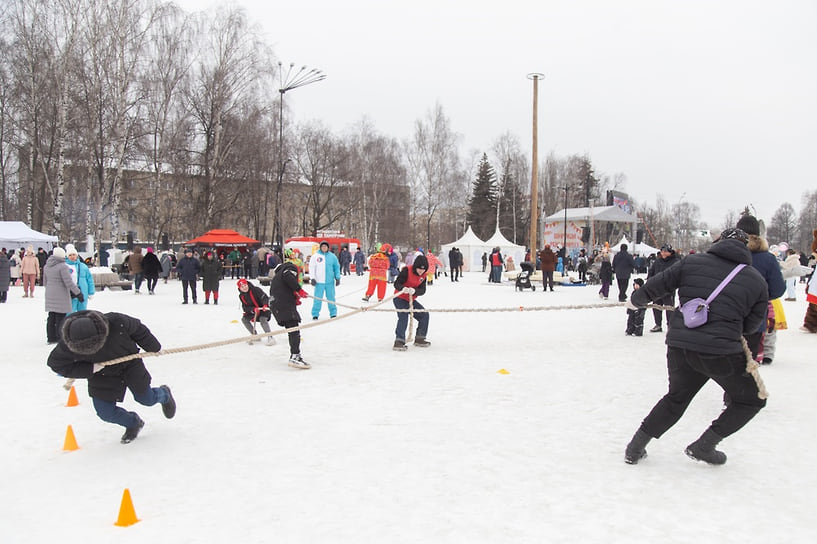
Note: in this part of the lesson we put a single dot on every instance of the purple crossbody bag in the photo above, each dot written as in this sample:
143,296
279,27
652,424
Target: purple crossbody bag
696,310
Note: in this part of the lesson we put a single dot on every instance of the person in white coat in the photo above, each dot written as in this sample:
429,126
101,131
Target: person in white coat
324,274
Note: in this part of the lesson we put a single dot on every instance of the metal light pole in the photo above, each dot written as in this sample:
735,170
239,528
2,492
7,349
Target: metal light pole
564,240
289,81
534,182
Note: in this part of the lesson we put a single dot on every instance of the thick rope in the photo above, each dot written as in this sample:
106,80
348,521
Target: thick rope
752,368
355,310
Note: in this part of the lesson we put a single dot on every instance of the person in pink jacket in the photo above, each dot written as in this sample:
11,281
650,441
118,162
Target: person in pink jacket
30,269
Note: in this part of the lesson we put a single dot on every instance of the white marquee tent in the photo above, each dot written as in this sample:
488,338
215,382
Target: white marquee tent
645,250
471,248
16,235
506,247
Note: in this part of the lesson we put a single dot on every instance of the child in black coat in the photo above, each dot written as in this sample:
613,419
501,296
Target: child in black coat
635,318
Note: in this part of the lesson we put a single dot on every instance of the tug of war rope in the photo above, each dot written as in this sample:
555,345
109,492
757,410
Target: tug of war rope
751,365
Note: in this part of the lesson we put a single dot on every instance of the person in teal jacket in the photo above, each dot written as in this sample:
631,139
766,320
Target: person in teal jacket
324,274
81,275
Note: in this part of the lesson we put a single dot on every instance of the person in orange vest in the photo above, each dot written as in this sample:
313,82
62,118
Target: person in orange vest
378,272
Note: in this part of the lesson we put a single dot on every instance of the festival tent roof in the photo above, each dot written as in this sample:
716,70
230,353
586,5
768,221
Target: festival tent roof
471,248
16,234
506,247
645,250
222,238
600,213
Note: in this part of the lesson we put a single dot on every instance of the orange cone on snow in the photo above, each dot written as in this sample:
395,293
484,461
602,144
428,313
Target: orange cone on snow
72,397
127,515
70,440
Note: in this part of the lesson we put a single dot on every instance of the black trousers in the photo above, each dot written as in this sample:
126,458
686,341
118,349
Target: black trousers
52,326
668,300
622,288
191,284
688,373
294,336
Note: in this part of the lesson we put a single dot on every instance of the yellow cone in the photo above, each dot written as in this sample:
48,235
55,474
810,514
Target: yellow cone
70,440
127,515
502,371
72,397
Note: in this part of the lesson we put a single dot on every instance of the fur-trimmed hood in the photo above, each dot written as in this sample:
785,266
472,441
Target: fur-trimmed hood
757,244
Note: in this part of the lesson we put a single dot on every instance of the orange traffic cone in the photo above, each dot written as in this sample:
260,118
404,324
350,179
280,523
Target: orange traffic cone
72,397
70,440
127,515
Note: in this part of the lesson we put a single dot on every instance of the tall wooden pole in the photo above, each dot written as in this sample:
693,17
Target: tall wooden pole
534,182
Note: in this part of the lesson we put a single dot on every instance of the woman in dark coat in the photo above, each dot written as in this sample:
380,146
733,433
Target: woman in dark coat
151,267
5,277
211,276
90,338
605,275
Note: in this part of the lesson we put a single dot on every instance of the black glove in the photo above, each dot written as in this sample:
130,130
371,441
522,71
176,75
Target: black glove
81,297
313,282
337,282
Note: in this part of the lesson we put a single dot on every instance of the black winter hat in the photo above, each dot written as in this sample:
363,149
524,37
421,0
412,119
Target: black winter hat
749,224
639,281
85,332
419,260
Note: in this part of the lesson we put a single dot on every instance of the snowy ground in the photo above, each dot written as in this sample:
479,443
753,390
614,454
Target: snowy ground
432,445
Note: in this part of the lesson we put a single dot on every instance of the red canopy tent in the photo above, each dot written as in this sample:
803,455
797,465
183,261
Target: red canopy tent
222,238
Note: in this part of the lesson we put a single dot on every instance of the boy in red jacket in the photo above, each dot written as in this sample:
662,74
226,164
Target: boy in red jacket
411,283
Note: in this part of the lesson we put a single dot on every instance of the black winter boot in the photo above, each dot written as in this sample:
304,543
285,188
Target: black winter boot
703,449
421,342
636,448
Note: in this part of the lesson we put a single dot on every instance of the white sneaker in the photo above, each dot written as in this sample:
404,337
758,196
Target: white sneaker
296,361
270,340
253,340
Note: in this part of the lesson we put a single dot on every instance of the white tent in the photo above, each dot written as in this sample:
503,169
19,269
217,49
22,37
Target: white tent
645,250
506,247
471,248
16,235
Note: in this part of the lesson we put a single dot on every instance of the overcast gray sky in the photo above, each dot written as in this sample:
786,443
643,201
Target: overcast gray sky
714,102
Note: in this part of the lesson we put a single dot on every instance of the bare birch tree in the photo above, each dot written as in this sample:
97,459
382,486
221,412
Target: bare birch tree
435,172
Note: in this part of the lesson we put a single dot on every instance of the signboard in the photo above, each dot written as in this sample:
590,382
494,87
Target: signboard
555,232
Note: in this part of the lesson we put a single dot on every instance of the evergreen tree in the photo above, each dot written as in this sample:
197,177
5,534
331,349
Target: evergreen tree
482,204
512,209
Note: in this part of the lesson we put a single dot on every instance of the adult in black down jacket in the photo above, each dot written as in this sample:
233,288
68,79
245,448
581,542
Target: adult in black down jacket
712,351
152,267
623,266
286,293
666,258
188,269
90,338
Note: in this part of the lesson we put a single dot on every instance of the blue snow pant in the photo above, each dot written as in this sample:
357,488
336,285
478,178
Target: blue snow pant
110,412
402,318
327,291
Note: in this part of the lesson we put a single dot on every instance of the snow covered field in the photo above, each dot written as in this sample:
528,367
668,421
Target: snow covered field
431,445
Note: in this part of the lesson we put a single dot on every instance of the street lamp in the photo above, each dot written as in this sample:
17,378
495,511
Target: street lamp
290,80
564,241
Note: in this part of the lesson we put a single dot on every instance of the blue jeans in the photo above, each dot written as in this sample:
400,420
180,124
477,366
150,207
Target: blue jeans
402,318
110,412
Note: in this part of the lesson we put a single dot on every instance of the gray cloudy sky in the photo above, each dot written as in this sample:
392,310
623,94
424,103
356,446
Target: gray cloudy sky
714,102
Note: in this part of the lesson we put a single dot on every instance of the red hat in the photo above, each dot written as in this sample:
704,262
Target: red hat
242,282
